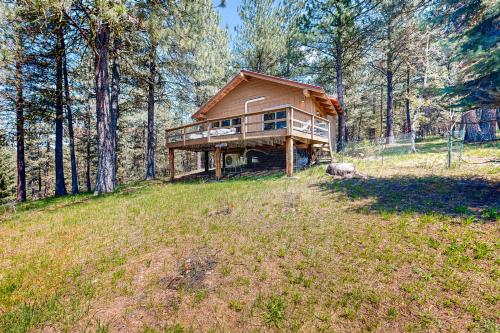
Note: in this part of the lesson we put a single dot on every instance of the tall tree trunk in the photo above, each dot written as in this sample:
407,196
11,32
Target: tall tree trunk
407,102
488,124
472,128
46,169
150,169
60,187
413,120
69,115
389,130
106,148
88,157
115,95
39,169
340,95
21,166
381,110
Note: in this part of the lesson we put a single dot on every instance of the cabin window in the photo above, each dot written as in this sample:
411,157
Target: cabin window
274,120
236,122
215,124
226,122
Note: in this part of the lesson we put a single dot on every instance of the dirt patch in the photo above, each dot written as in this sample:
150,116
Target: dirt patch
192,273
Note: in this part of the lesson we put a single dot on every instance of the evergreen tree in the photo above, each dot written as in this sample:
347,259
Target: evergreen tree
261,39
474,28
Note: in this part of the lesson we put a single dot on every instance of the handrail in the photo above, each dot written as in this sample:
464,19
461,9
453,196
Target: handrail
317,124
269,110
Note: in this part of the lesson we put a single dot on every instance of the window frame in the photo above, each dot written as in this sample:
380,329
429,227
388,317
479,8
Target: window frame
275,120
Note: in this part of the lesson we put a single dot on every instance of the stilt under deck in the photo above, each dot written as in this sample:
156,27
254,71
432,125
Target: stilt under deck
280,126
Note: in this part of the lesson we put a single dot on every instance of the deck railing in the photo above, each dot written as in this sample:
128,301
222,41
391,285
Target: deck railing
285,119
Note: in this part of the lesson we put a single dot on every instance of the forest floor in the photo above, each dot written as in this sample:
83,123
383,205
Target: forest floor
413,246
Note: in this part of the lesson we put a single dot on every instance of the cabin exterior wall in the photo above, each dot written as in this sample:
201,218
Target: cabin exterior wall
275,94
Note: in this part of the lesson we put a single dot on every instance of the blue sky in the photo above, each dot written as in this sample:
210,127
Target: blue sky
229,14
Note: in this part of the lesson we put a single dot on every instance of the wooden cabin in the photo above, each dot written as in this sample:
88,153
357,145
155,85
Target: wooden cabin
254,114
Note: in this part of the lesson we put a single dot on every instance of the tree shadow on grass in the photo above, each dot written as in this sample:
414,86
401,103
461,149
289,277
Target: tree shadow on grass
443,195
54,203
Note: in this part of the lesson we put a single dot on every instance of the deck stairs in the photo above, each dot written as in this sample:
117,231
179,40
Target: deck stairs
323,153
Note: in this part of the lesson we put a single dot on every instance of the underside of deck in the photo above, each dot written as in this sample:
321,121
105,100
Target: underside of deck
281,127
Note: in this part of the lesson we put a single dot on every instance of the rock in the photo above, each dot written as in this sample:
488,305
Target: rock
341,170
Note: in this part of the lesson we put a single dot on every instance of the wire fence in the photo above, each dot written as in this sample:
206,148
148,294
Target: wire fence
450,145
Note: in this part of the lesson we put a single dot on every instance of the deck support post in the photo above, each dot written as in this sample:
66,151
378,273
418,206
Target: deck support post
310,154
171,164
207,161
289,156
218,169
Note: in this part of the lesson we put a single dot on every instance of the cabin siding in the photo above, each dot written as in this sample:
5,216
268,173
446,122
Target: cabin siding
275,94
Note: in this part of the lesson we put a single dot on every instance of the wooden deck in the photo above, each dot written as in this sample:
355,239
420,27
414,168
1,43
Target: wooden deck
269,126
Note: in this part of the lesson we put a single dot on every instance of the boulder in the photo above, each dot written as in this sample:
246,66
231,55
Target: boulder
341,170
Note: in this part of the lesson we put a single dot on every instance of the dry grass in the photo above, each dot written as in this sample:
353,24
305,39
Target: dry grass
264,254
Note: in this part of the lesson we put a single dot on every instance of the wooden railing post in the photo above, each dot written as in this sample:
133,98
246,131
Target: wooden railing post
290,124
312,127
209,128
244,126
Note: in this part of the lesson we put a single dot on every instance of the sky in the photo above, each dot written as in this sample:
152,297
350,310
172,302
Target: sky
229,14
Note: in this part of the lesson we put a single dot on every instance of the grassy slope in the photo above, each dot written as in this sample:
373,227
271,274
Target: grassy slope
414,247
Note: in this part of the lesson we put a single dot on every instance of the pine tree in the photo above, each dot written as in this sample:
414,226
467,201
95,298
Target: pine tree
474,28
261,39
337,34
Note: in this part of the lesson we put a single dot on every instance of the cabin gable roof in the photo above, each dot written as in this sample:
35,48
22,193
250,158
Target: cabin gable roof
327,104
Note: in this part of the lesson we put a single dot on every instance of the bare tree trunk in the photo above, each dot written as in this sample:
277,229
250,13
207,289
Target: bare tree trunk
150,169
88,157
498,118
472,128
69,115
488,124
407,102
340,95
115,95
60,186
389,130
381,110
424,96
39,176
21,166
359,128
46,170
390,109
106,148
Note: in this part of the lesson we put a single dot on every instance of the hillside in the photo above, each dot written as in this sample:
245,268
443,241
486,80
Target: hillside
412,247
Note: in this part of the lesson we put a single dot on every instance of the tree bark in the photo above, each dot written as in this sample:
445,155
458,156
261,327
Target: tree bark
88,157
407,102
150,170
389,130
340,95
60,186
488,124
472,128
69,115
115,96
105,181
21,166
381,110
46,169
